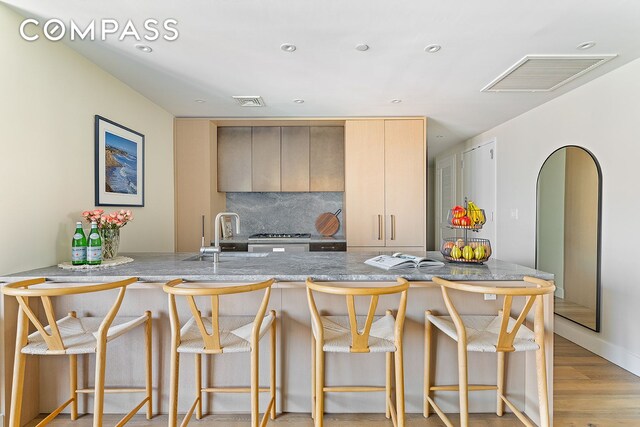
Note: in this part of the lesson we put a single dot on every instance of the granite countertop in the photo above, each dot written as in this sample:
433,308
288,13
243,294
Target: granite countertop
315,238
284,267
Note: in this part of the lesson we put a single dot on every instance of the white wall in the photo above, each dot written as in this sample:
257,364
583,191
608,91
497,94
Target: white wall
601,116
49,95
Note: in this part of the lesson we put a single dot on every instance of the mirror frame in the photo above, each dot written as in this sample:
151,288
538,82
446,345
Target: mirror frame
599,235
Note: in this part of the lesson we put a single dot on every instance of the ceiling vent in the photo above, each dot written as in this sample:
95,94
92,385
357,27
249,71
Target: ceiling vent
544,73
249,101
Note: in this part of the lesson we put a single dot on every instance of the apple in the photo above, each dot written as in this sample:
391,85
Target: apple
465,221
458,211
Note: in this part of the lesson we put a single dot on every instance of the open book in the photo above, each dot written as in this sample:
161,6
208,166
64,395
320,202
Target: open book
400,260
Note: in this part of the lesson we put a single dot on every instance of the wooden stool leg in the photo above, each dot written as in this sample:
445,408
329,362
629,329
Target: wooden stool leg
399,386
463,383
273,366
428,331
173,394
387,385
18,370
198,363
73,385
98,399
500,384
313,376
255,377
148,372
541,363
319,385
73,381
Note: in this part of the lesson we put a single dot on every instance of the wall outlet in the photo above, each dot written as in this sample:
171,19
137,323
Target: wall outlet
489,297
514,213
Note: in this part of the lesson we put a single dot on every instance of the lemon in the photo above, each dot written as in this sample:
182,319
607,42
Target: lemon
456,252
467,253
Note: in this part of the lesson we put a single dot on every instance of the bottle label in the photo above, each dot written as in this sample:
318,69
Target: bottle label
94,236
94,253
77,236
79,253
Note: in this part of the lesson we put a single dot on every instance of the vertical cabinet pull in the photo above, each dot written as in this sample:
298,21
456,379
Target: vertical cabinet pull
379,227
393,227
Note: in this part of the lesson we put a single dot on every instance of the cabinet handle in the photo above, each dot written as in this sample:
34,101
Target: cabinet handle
393,227
379,227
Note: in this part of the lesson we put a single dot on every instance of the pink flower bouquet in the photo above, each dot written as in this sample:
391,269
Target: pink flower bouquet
116,219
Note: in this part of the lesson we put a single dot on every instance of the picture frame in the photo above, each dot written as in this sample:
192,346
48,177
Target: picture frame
119,164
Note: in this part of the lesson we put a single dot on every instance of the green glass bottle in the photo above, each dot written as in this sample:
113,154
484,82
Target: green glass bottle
94,246
79,246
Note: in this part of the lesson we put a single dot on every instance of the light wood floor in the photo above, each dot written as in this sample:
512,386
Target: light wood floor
589,392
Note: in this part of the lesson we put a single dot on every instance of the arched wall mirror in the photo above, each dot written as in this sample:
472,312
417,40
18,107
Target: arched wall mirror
568,232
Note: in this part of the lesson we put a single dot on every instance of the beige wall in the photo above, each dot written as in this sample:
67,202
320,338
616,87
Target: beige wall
49,95
601,116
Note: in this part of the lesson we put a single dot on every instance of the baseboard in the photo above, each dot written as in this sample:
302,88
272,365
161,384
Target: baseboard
593,342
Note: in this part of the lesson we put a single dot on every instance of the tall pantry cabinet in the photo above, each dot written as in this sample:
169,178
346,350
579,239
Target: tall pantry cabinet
385,184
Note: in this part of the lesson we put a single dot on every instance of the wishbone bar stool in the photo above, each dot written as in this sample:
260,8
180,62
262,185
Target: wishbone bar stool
358,334
72,336
499,334
229,334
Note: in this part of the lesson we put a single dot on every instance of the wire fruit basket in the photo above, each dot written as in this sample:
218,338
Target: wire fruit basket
471,250
466,218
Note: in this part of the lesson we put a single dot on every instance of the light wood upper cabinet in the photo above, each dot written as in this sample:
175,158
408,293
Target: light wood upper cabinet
404,159
234,159
274,158
195,149
364,182
385,183
294,164
326,158
265,159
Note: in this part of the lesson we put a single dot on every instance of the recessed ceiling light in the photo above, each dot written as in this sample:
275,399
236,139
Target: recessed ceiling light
396,101
144,48
298,101
362,47
432,48
288,47
586,45
200,101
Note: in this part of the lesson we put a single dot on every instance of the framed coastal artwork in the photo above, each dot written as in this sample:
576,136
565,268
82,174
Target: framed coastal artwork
119,167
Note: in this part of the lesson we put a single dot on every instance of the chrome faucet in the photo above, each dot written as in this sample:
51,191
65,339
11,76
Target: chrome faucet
215,251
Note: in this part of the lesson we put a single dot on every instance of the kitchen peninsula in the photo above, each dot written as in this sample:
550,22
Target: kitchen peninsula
288,298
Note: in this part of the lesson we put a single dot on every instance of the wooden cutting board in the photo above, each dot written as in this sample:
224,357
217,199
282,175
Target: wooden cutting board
328,223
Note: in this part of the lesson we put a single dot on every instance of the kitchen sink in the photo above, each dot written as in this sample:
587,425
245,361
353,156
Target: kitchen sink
228,255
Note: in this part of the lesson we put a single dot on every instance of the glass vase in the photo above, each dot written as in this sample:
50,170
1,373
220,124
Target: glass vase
110,242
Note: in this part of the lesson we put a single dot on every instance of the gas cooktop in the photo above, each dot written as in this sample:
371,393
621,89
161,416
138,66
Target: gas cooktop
280,236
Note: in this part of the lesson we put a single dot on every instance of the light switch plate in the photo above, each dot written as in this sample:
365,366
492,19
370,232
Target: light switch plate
489,297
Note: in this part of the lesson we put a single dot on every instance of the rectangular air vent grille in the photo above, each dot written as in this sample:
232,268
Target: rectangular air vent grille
249,101
543,73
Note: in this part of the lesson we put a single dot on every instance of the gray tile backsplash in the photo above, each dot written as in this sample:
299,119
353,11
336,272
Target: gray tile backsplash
282,212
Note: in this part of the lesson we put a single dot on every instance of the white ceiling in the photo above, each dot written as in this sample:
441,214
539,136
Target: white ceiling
232,47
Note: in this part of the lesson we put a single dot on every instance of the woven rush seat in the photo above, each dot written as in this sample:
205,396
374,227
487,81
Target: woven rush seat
80,334
337,333
483,332
235,333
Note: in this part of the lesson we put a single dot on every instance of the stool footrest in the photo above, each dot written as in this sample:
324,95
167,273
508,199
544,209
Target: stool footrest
358,389
516,411
130,415
114,390
233,389
474,387
55,413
